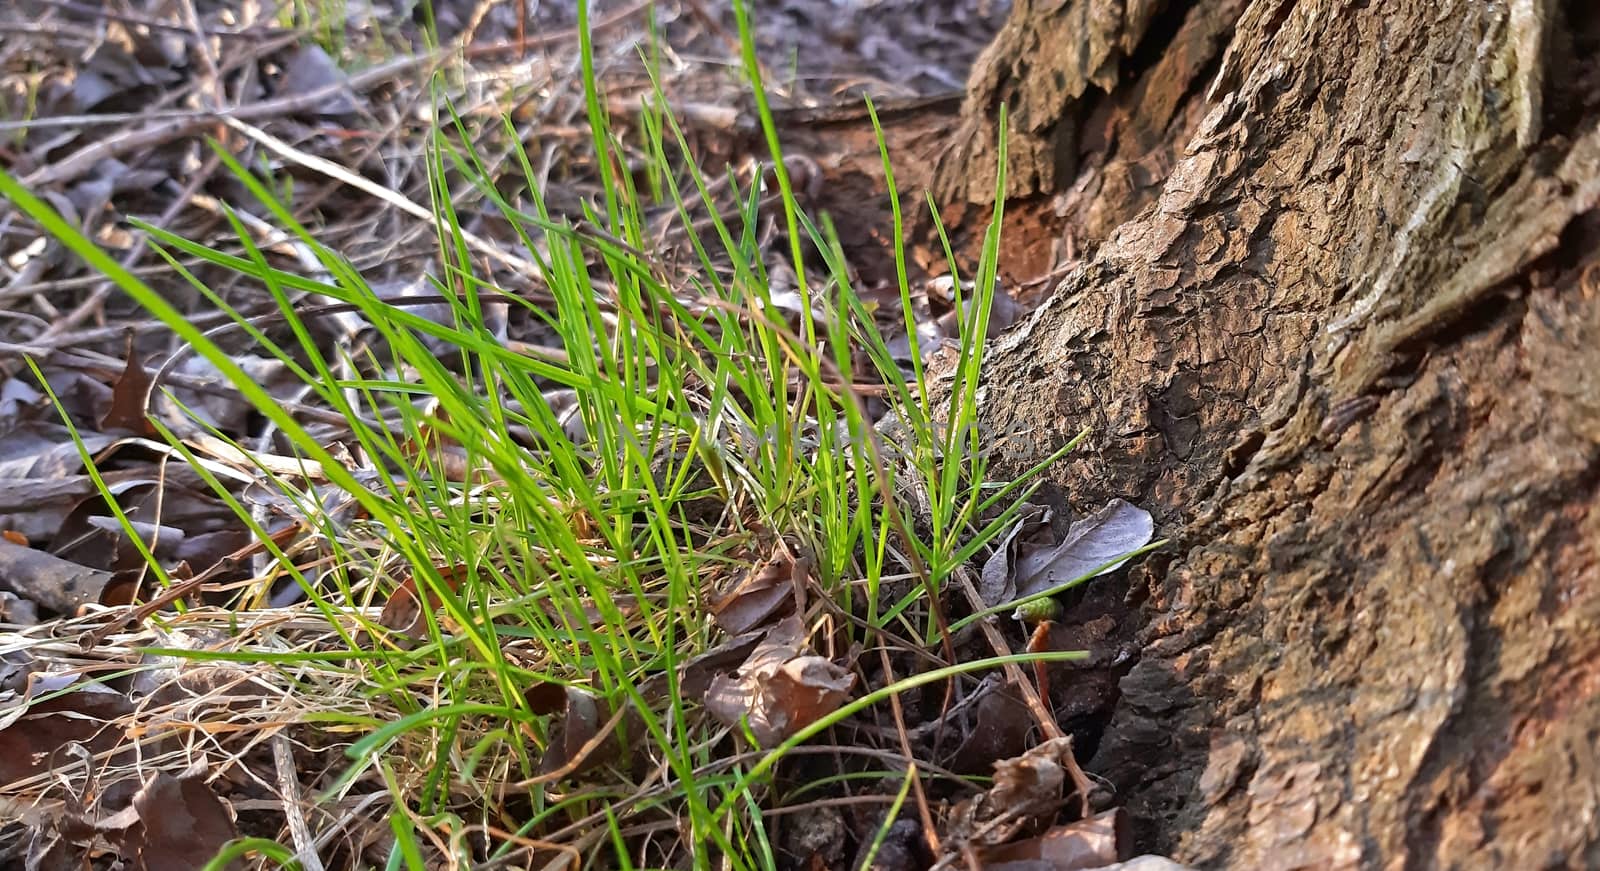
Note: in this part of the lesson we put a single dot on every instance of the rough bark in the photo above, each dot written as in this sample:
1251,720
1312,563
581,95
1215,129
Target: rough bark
1341,330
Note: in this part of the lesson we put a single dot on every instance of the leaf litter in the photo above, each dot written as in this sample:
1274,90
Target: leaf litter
257,677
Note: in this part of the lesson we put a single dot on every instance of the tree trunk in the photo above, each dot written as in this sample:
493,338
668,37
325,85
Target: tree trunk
1340,330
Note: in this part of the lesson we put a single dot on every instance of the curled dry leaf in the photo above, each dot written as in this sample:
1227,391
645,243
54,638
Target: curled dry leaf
584,734
696,675
173,822
780,688
1087,844
997,583
577,724
764,592
34,732
1027,793
403,612
54,583
1115,530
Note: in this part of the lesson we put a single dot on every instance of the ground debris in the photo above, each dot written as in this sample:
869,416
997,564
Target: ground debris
781,688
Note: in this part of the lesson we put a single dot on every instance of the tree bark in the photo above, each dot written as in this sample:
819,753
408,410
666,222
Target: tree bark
1340,331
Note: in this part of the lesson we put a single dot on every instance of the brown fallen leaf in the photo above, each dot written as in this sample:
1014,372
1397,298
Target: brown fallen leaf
173,822
130,397
696,675
35,729
1086,844
801,692
780,689
545,698
763,593
403,612
999,727
585,733
1027,794
54,583
160,512
572,731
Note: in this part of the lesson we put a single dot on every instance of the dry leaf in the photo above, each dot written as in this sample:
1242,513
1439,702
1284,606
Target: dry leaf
577,724
1003,312
226,409
403,611
764,592
31,732
1027,793
309,69
129,397
173,822
696,675
1115,530
997,582
16,610
1086,844
1001,723
584,734
52,582
779,689
45,451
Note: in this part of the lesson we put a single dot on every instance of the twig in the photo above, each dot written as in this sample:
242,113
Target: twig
1041,714
93,301
58,33
86,338
162,132
154,23
335,171
305,851
136,615
58,284
930,830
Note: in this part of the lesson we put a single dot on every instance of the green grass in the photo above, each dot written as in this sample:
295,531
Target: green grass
710,430
324,20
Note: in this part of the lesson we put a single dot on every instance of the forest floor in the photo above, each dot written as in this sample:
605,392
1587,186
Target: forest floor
158,652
